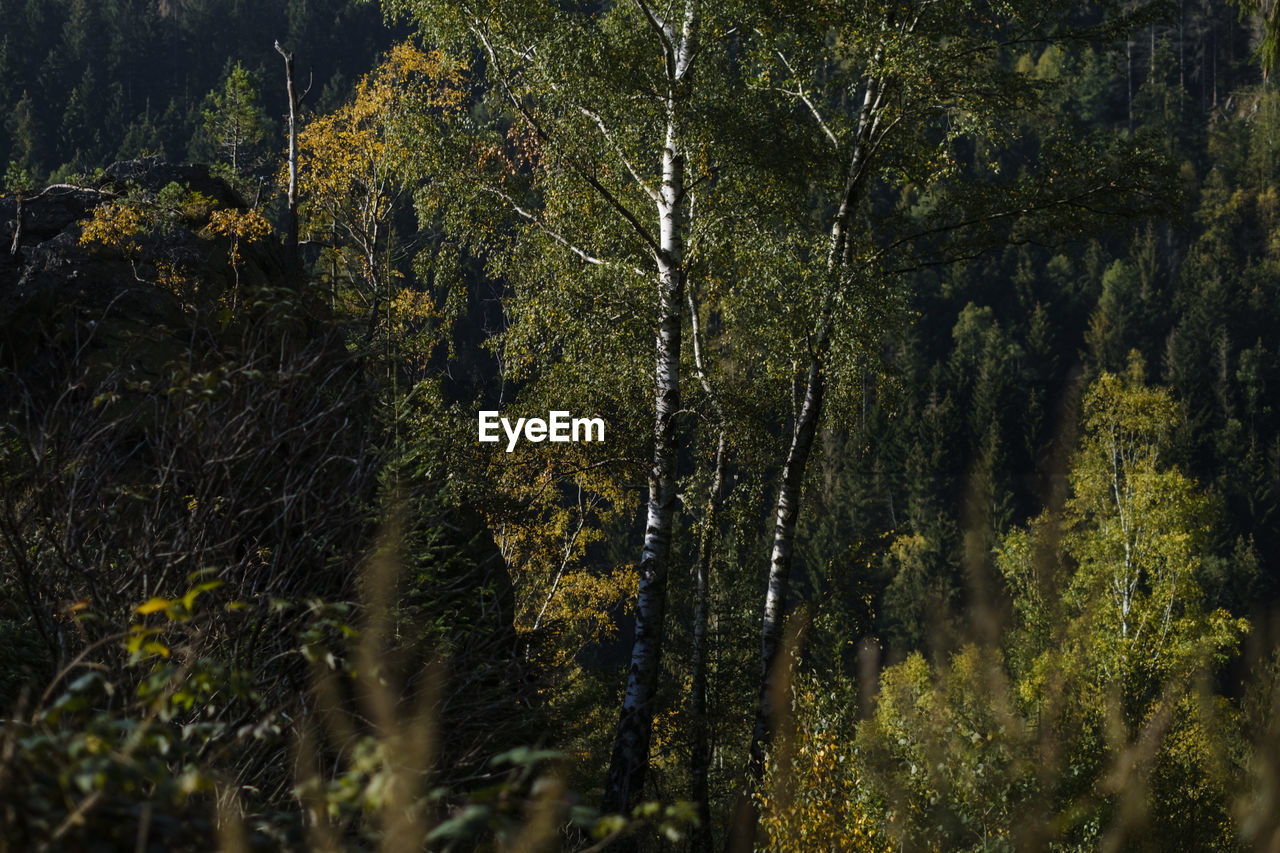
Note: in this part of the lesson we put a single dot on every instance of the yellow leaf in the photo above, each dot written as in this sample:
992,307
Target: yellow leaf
155,605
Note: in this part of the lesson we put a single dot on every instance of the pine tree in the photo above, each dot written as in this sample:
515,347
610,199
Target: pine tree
25,133
233,120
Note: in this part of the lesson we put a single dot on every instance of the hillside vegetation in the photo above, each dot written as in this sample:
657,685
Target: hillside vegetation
935,343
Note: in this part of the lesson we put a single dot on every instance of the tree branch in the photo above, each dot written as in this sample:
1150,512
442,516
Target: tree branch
542,226
800,93
620,208
604,131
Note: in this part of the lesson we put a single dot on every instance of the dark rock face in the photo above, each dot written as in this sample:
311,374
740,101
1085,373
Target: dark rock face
70,310
51,211
31,224
93,334
57,293
153,174
159,429
164,414
464,587
171,266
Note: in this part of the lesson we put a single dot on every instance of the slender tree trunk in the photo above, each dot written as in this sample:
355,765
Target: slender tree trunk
17,226
1128,64
699,750
1182,68
291,238
786,513
629,762
369,237
742,830
1213,44
630,759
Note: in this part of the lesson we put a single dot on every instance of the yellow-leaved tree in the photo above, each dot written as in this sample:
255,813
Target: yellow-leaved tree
552,511
1094,725
813,795
1119,640
1122,566
359,165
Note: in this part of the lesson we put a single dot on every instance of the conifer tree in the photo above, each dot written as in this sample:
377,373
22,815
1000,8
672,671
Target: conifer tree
233,120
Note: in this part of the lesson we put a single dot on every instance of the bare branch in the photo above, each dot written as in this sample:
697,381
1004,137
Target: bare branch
804,99
542,226
604,131
612,200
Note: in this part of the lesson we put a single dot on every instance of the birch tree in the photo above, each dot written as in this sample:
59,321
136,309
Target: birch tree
1135,532
360,163
1111,593
612,119
920,114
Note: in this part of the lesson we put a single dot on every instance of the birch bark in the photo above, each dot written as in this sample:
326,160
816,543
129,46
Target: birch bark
700,748
911,75
807,418
637,221
630,760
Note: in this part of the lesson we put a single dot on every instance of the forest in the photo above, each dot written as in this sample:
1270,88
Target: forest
928,496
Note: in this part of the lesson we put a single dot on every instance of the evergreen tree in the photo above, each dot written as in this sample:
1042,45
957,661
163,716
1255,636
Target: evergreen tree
82,123
234,122
24,129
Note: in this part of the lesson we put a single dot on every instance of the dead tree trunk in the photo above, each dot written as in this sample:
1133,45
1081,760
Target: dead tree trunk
291,237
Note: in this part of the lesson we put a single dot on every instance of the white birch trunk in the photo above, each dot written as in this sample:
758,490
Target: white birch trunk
630,760
699,749
786,513
678,43
807,417
742,832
